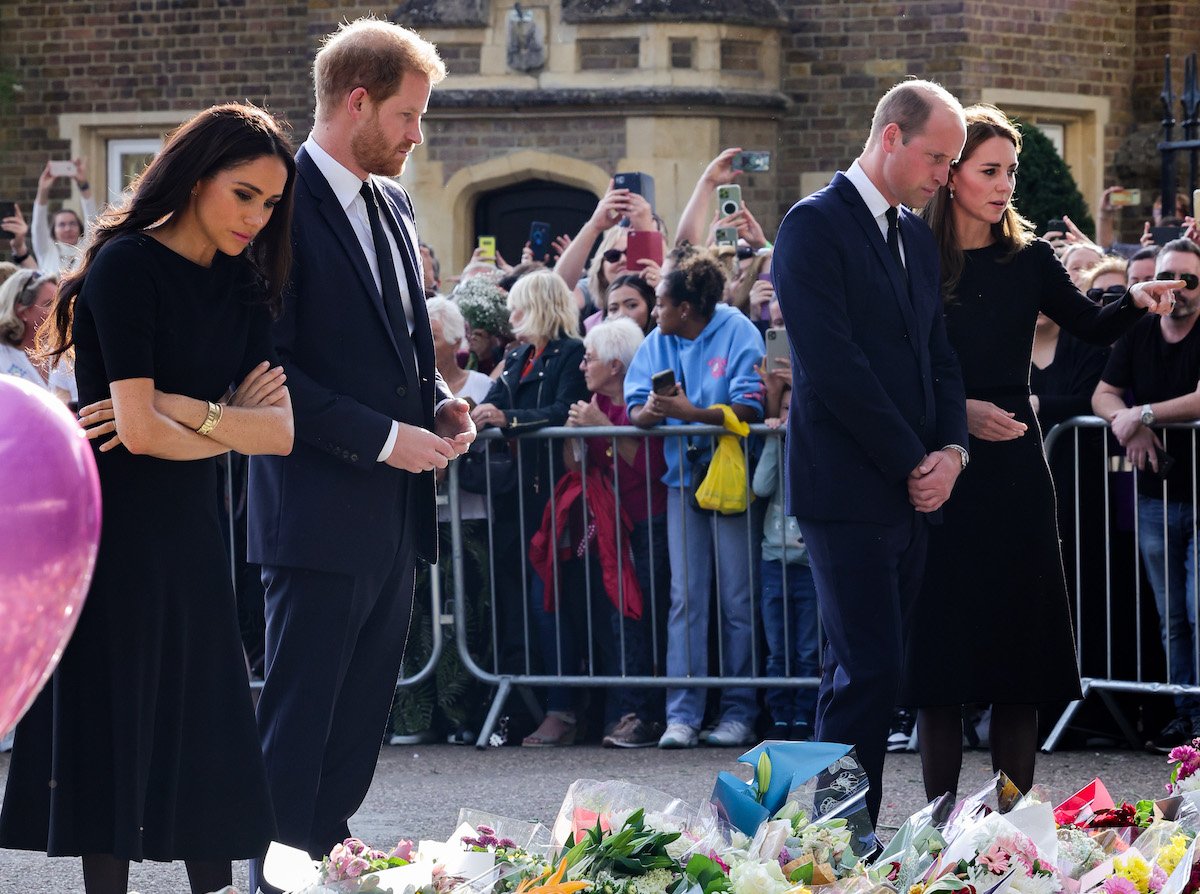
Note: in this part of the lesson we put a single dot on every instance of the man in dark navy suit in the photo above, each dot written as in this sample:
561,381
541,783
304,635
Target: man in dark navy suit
878,419
338,524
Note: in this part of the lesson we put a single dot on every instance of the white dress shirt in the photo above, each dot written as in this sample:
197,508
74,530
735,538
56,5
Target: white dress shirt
346,185
877,205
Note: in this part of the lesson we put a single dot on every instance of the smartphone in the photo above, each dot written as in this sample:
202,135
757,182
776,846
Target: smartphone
729,199
1196,204
539,239
1163,235
753,162
1058,225
727,236
487,248
636,181
643,244
663,382
1123,198
1166,463
63,169
7,209
777,346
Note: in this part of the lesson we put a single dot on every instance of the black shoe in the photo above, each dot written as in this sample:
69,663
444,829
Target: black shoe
1179,731
800,731
901,731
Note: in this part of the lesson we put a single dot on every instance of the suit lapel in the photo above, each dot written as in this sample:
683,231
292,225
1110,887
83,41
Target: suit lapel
864,220
335,216
400,225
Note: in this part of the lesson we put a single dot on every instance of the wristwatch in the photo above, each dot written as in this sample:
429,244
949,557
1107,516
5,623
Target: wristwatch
1147,415
963,456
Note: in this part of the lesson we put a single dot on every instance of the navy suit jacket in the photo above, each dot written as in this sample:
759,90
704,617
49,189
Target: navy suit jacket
330,506
875,383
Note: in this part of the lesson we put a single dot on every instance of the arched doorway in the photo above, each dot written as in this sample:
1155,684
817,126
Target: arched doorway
507,212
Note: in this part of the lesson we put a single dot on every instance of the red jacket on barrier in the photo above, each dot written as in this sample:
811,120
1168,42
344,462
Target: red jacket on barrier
602,508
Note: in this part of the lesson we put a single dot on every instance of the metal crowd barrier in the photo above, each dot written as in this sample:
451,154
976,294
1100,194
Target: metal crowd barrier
527,675
1095,471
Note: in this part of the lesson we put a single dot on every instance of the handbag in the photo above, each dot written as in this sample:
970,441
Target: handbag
489,459
719,486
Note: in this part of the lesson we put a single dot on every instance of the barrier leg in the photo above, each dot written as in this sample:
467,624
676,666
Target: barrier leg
1064,721
1118,715
489,723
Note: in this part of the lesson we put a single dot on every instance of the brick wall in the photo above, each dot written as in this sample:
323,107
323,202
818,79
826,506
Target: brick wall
760,191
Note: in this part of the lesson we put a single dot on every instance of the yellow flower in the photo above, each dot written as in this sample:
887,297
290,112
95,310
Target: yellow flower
1172,853
918,888
1136,869
553,885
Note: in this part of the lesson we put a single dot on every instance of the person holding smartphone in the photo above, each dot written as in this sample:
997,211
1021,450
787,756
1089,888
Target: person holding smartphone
1158,363
58,240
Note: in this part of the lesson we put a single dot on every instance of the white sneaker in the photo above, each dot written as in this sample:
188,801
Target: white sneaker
678,735
730,734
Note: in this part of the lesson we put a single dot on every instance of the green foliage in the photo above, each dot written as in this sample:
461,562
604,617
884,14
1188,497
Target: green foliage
762,777
635,850
1045,188
704,873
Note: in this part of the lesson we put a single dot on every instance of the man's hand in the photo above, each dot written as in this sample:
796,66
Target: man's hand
930,483
988,422
454,424
419,450
1126,424
1140,448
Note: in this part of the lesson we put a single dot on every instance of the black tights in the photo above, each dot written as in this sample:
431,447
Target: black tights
106,874
1013,739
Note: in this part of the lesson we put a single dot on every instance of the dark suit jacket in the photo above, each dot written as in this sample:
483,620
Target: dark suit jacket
876,385
330,505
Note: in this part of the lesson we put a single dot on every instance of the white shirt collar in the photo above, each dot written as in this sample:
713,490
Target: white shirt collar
874,199
344,182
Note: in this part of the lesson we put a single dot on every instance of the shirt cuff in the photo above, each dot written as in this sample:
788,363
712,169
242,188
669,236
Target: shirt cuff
437,408
390,442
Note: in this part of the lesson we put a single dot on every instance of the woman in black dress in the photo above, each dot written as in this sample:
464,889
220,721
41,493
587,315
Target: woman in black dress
991,624
147,732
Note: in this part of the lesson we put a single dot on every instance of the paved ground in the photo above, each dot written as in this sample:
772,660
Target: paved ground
417,793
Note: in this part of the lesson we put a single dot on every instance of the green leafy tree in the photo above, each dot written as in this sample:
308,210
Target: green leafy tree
1045,188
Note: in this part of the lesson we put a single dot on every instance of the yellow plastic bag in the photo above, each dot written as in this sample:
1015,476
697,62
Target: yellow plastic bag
724,487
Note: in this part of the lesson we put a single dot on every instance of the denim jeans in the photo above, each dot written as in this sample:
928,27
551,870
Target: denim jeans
1167,555
694,540
790,627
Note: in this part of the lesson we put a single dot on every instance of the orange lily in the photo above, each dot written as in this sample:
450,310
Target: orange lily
554,884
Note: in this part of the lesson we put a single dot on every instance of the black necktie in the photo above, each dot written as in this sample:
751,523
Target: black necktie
392,302
893,241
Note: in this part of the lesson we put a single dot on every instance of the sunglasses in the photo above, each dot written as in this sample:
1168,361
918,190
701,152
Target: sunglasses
614,254
1190,280
1106,295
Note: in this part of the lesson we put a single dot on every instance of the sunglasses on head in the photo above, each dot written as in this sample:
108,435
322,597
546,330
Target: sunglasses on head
1190,280
614,254
1105,295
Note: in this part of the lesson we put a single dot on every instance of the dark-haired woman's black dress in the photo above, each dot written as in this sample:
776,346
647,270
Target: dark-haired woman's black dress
992,622
143,745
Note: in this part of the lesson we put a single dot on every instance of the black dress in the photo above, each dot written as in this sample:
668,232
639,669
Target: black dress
991,623
144,744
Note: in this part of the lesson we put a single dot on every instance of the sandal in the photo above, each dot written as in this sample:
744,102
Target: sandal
555,731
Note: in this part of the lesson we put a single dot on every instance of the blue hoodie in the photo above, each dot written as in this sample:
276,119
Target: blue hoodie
717,367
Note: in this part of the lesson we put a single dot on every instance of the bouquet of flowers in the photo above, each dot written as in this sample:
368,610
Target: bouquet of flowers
351,866
1185,764
994,856
352,858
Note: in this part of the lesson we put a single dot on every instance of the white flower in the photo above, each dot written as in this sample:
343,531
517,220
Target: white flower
653,882
758,878
788,811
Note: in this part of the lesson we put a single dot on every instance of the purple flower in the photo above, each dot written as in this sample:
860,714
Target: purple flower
1158,878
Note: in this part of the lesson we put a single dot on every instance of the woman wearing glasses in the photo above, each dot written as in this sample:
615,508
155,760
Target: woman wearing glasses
994,579
25,301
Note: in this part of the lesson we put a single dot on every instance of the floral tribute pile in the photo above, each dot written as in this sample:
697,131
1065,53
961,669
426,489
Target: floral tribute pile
799,826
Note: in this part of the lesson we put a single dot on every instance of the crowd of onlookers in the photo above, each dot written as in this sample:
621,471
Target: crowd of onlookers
591,556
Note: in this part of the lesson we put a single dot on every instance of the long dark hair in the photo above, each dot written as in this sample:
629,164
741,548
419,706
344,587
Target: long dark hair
1013,232
217,139
644,289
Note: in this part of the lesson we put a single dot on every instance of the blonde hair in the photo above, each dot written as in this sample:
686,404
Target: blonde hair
548,305
1118,266
15,294
372,54
597,284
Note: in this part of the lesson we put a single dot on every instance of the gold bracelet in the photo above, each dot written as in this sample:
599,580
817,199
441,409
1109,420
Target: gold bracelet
211,420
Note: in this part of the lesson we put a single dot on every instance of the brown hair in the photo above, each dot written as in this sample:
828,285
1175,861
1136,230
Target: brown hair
908,106
374,55
215,140
1013,232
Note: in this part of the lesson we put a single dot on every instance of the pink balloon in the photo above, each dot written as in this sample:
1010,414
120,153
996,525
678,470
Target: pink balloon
49,533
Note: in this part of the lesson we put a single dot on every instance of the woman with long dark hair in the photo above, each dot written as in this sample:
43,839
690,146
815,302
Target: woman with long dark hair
991,624
147,730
